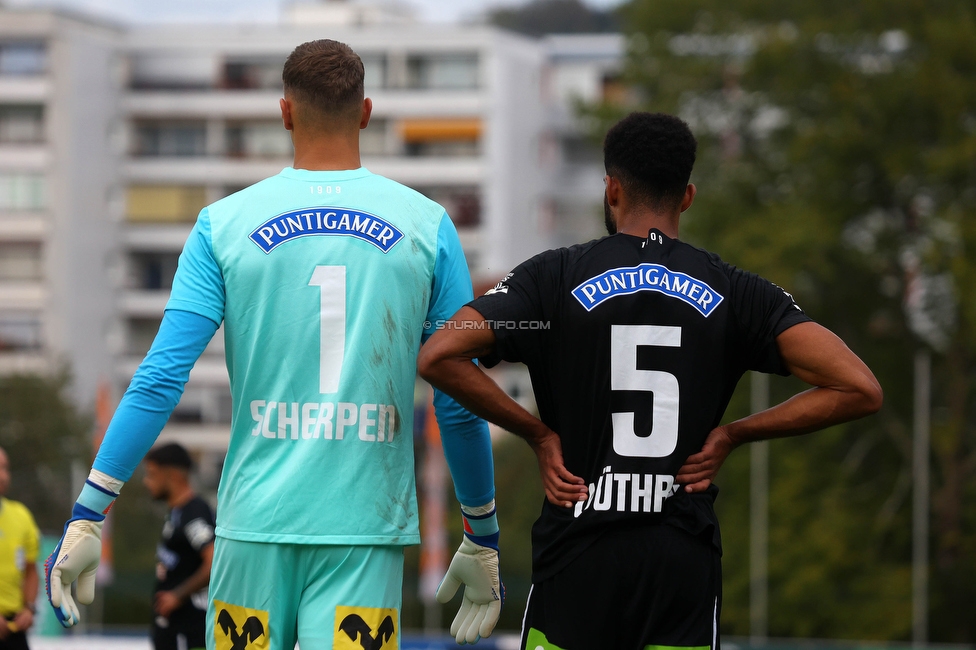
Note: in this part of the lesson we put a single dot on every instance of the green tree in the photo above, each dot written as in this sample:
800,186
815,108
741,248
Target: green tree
43,434
838,158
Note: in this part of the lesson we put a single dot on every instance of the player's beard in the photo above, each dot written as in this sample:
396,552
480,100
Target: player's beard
608,217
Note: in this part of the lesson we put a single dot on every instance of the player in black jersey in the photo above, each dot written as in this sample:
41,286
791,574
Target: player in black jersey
184,553
634,344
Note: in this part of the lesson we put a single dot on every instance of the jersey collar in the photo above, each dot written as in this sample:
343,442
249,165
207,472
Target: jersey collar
330,175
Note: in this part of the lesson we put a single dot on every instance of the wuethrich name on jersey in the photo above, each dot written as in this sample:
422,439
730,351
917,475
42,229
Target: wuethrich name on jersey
648,277
326,420
646,492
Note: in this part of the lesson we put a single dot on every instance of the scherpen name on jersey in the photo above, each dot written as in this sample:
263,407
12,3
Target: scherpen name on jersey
627,492
325,420
648,277
326,221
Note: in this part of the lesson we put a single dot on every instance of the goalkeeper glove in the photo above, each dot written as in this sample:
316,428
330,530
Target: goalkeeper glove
76,555
475,565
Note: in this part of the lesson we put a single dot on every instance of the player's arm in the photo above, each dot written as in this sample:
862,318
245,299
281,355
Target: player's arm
191,318
447,362
25,617
844,389
467,448
167,601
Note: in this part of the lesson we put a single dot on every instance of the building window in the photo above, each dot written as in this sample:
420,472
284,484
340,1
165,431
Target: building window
441,137
164,203
22,191
172,71
170,139
375,68
142,332
22,58
21,124
19,332
253,74
443,71
20,262
374,140
154,271
463,204
580,150
259,140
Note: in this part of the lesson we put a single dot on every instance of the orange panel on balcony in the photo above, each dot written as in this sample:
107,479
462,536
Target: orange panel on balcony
428,130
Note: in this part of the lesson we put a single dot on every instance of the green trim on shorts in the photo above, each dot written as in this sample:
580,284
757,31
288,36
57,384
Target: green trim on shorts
536,640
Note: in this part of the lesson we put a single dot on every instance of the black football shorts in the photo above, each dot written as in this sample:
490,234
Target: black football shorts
647,587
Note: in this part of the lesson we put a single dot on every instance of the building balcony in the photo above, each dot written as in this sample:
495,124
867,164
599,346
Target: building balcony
14,88
27,296
22,226
243,104
197,436
414,171
190,171
155,237
143,304
210,370
421,172
24,157
23,363
196,103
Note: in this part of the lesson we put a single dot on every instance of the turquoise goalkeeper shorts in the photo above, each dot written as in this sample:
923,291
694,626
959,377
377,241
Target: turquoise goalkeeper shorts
265,596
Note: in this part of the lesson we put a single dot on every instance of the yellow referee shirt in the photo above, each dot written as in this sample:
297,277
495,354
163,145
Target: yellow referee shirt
19,544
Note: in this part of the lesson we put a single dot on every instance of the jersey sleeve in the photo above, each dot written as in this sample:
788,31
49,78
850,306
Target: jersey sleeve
451,286
762,311
198,286
465,437
199,525
153,392
516,309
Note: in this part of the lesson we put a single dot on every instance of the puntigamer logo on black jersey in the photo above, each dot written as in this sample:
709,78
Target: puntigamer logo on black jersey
647,277
326,221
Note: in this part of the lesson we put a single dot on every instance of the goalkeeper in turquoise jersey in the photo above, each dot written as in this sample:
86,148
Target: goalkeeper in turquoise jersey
323,277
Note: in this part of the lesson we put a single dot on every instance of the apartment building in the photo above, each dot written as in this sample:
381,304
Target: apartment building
59,100
112,140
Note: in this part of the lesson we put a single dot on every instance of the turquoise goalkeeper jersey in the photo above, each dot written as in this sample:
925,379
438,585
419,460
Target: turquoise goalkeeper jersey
324,284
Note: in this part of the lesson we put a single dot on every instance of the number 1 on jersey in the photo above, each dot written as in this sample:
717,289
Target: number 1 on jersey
331,281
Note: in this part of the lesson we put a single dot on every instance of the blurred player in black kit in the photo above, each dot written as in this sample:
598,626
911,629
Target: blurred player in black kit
184,553
634,343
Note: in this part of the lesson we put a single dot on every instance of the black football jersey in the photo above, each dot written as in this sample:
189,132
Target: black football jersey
188,530
634,347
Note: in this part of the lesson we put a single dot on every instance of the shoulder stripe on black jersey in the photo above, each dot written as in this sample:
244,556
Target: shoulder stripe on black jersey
326,221
648,277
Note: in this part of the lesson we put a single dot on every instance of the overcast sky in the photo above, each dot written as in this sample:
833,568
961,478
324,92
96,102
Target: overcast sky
153,11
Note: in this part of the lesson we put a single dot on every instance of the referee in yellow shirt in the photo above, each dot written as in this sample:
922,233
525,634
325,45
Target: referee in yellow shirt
19,542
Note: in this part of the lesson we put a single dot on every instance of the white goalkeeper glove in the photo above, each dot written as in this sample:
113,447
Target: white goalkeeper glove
475,565
77,554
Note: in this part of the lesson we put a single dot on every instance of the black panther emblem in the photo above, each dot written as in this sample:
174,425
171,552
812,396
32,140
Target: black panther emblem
354,625
250,631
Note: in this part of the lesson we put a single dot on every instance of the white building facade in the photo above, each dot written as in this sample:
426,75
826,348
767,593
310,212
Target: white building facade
112,140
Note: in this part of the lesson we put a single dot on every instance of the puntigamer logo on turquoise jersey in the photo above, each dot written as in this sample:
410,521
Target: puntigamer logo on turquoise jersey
326,221
648,277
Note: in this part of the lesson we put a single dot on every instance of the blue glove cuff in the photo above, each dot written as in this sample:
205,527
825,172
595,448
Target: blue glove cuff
93,503
481,529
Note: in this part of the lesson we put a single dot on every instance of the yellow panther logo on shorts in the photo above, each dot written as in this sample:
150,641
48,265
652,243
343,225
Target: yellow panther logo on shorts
240,628
365,628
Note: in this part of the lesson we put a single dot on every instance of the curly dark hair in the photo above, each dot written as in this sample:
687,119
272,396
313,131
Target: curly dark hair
327,76
170,455
652,155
